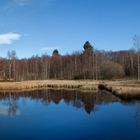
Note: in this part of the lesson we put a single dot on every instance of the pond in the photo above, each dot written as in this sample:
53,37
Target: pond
67,115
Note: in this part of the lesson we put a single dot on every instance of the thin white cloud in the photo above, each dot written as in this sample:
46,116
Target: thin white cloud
47,49
21,2
15,3
50,2
8,38
26,2
50,48
12,4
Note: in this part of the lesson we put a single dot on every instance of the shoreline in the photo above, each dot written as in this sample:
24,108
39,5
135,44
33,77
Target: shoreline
123,89
38,84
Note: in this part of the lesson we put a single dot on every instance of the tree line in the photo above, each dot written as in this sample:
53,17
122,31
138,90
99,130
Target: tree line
88,64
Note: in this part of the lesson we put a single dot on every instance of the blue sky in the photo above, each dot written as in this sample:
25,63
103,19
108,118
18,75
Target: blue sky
33,27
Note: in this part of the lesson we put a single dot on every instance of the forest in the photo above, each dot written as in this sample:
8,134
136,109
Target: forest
87,64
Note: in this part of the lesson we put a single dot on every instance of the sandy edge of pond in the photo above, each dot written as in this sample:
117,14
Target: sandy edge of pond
121,88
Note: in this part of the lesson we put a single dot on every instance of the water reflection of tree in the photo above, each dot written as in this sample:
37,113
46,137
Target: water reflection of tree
137,116
11,103
12,107
77,99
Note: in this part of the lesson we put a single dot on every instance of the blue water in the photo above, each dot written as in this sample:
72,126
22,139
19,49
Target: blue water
67,115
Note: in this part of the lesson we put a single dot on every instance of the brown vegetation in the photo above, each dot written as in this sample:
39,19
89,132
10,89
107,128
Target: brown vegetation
121,87
59,71
124,89
68,84
89,64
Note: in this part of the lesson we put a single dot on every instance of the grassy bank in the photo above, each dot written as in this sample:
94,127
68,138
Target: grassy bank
129,89
123,89
68,84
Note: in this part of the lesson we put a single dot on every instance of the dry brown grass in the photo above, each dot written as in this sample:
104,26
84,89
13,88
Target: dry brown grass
128,89
68,84
119,88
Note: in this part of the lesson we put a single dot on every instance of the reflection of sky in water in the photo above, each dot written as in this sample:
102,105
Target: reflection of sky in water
85,101
67,115
8,110
4,110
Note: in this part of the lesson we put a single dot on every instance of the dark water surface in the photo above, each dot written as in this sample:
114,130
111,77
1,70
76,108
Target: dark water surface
67,115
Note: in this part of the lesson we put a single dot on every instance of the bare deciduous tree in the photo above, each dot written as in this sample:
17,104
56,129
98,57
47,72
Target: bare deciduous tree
88,64
137,45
